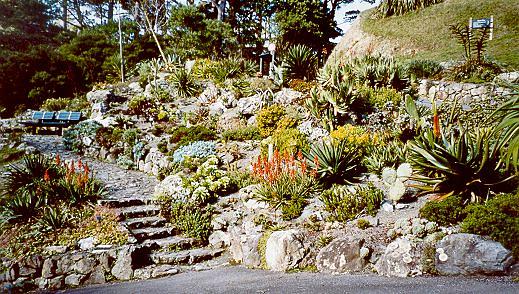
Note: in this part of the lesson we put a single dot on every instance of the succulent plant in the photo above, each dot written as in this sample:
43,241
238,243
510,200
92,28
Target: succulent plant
395,180
198,149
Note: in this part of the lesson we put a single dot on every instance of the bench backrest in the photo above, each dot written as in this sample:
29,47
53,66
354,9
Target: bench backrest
68,116
43,115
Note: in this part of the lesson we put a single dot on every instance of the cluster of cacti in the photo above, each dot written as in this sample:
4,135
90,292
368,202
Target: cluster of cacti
395,180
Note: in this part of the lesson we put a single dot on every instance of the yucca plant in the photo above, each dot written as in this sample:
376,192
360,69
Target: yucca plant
464,163
333,162
23,206
184,83
300,62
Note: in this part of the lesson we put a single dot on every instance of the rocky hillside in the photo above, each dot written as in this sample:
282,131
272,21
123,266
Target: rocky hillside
425,34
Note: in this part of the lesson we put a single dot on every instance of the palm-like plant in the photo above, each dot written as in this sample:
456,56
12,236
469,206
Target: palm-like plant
184,83
300,62
465,164
333,162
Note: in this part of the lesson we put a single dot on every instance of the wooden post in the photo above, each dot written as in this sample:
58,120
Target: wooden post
491,27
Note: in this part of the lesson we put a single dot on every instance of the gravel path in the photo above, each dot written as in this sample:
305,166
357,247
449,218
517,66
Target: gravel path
241,280
120,183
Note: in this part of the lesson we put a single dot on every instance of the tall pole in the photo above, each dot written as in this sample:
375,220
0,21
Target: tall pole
121,45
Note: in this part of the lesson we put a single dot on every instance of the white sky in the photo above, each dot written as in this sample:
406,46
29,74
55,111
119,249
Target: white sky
357,5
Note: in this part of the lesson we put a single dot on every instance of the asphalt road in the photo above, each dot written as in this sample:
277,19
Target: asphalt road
241,280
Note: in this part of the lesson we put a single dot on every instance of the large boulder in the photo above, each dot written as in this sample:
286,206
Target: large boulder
284,250
402,258
100,101
342,256
467,254
244,249
231,120
173,186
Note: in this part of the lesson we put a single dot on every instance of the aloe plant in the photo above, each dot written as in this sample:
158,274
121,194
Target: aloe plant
333,161
465,164
508,126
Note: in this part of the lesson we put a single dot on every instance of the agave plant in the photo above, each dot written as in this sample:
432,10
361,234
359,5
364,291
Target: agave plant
333,162
508,115
300,62
184,83
465,164
24,205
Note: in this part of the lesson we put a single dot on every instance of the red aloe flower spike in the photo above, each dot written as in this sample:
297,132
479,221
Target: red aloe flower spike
46,176
58,159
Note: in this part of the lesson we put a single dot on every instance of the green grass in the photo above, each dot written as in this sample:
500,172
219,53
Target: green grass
427,30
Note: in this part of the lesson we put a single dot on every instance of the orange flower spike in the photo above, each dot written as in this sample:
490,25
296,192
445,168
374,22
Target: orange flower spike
58,159
300,155
46,176
80,164
303,167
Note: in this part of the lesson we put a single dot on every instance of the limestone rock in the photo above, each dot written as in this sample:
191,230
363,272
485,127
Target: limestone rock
73,280
287,96
96,277
123,266
342,256
230,120
284,251
219,239
251,256
49,268
467,254
87,243
249,105
402,258
84,265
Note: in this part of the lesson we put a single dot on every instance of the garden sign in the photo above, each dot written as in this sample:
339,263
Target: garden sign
482,23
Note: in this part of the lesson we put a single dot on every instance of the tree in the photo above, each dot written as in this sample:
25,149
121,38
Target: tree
193,34
306,22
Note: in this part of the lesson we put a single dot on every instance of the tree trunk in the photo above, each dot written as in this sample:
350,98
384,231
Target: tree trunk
65,14
111,5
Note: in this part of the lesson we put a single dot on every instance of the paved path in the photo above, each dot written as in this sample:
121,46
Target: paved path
241,280
121,183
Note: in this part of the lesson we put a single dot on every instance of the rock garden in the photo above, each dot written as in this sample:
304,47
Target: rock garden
366,165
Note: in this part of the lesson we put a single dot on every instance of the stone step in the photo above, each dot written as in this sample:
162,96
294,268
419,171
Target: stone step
155,271
185,257
172,243
139,211
143,222
123,202
152,233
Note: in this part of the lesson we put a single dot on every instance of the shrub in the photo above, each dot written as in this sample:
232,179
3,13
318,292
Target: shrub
184,83
380,98
363,224
498,218
73,137
191,220
286,140
300,62
242,134
268,118
185,135
285,184
423,69
449,211
346,203
261,84
333,162
301,85
355,138
55,104
398,7
465,164
198,149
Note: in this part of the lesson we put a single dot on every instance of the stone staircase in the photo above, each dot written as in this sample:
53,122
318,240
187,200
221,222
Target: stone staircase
166,252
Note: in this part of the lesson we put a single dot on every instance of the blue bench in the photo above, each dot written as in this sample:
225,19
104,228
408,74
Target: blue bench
60,120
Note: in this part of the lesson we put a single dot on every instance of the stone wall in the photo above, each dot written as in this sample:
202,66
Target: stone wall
467,93
65,269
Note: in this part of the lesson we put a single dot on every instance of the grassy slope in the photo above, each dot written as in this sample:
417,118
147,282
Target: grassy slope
428,29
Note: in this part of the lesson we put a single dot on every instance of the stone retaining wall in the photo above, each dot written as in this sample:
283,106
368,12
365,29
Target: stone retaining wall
467,93
70,269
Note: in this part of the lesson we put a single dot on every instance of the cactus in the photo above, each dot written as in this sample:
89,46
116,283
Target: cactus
395,180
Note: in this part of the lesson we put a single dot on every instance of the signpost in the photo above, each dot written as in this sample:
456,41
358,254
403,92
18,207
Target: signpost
482,23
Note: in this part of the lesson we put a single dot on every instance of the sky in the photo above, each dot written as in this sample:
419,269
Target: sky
339,16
